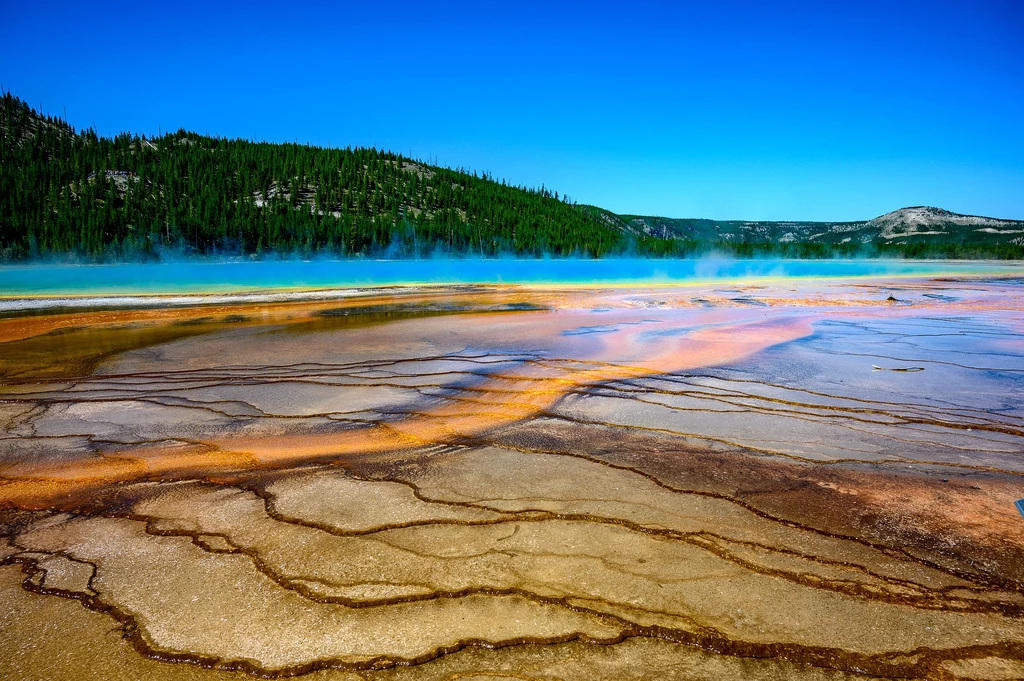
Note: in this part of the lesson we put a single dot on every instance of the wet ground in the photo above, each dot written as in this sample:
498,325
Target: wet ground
801,480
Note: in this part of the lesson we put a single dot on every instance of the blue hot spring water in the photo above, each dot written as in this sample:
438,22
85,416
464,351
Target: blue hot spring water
183,277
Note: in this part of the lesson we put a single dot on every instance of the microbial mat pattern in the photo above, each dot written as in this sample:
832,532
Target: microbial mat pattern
790,481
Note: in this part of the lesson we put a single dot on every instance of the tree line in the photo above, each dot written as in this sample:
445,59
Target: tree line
131,197
78,196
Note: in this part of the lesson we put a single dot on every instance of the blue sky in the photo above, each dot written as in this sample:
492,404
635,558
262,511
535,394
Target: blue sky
821,110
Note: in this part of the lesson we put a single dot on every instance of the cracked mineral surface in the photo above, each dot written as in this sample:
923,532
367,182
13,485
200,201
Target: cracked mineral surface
801,480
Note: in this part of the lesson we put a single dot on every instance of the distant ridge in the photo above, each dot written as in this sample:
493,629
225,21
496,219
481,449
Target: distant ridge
75,196
927,220
915,230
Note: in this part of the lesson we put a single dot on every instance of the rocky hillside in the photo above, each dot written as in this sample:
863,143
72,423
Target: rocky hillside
908,224
917,227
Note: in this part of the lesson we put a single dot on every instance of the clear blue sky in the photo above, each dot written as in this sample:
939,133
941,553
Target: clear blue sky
818,110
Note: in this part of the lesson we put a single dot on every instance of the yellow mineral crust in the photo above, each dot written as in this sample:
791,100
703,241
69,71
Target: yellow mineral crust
670,483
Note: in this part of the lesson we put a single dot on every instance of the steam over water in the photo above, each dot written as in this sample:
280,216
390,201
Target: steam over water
219,277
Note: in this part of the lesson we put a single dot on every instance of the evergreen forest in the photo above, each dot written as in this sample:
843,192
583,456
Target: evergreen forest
77,196
133,197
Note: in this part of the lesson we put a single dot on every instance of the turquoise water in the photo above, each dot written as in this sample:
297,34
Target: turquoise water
249,276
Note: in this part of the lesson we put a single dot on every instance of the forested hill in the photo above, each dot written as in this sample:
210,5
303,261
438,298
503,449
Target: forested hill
71,195
131,197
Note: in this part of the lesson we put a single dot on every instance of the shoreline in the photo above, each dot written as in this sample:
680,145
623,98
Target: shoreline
46,286
128,300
